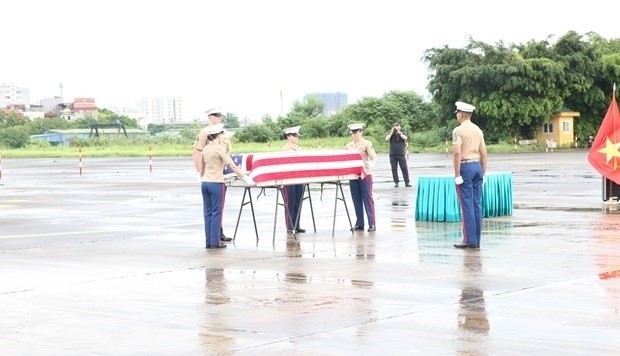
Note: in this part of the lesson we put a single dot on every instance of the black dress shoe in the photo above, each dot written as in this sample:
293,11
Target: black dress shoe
225,239
218,246
372,228
408,185
300,231
357,228
396,185
464,246
474,246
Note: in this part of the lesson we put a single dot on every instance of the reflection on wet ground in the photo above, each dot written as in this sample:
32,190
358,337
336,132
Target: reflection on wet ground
116,257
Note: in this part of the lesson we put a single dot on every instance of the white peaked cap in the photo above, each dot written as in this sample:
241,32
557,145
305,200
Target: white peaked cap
215,129
214,110
356,127
464,107
292,130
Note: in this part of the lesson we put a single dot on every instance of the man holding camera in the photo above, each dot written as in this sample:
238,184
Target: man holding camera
398,153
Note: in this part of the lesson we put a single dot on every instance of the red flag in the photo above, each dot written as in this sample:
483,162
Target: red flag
604,154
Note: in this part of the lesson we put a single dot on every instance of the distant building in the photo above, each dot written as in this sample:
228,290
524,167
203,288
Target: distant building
333,102
559,129
84,108
10,95
160,110
52,106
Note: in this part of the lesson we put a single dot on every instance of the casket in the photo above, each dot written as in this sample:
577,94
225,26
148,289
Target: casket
297,167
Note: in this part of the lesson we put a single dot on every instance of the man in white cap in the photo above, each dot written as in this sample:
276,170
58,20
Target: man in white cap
470,165
215,117
361,189
293,194
213,160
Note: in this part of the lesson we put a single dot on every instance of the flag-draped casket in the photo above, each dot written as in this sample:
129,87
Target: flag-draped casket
298,167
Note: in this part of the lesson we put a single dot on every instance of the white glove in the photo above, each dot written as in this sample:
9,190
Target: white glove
458,180
199,177
247,180
483,179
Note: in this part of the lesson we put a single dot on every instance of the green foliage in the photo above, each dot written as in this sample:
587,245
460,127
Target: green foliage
41,126
106,116
230,121
517,88
316,128
12,119
14,137
257,133
430,138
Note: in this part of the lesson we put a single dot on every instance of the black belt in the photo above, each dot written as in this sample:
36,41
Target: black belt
470,160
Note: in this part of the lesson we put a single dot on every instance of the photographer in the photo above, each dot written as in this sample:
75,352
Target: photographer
398,153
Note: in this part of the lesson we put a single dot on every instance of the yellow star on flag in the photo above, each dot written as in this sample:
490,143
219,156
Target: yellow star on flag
611,150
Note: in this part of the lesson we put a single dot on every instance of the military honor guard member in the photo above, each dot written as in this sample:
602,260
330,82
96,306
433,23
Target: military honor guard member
214,115
293,194
470,165
361,189
214,159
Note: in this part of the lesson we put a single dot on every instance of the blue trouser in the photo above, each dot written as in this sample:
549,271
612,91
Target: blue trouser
361,193
470,199
293,195
212,206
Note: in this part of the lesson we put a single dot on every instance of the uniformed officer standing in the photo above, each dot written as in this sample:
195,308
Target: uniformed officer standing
215,117
213,160
293,194
470,165
361,189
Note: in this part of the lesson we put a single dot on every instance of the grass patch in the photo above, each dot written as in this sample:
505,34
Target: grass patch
185,150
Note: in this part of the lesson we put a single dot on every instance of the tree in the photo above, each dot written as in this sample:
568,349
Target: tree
12,119
509,91
14,137
106,116
230,120
301,112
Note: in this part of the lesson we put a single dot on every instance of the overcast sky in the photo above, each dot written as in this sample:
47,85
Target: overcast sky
241,54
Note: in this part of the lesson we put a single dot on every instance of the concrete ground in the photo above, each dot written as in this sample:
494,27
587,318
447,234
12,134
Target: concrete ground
112,262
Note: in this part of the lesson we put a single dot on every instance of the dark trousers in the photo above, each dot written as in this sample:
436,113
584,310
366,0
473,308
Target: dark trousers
470,199
399,160
292,202
361,194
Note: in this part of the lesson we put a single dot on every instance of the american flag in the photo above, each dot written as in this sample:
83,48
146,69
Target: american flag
300,167
240,161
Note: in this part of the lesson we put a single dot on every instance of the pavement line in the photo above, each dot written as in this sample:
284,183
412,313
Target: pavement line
143,228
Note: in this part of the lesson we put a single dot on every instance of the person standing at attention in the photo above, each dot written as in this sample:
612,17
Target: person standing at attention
361,188
215,117
293,194
398,153
214,159
470,166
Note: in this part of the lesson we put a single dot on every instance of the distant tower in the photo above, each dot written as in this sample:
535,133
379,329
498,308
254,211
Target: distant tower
60,86
281,104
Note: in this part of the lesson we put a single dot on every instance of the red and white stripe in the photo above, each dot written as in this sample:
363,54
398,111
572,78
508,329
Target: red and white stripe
299,167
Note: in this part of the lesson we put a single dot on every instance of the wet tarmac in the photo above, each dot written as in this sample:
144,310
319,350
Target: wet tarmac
112,262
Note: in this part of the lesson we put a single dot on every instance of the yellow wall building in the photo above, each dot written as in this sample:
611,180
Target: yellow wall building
559,128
